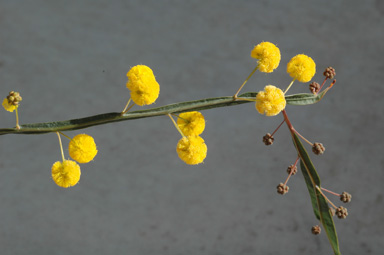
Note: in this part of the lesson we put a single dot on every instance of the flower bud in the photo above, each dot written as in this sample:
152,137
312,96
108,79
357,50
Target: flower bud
14,98
314,87
341,212
12,101
329,72
282,189
316,230
293,169
268,139
318,148
345,197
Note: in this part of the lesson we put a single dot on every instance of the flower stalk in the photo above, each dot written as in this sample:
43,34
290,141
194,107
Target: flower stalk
176,126
242,85
61,145
17,119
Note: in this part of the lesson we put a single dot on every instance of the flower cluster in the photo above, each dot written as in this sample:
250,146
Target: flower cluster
191,148
271,101
66,173
82,148
143,85
191,123
268,56
301,68
11,102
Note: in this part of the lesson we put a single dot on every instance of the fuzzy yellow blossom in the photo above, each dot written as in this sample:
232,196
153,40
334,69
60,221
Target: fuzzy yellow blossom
9,107
268,55
301,68
82,148
143,85
12,101
271,101
191,123
66,173
192,149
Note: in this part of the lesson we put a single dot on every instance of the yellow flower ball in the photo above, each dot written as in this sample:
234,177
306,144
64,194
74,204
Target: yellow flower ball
82,148
271,101
191,123
9,107
192,149
268,55
143,85
66,173
301,68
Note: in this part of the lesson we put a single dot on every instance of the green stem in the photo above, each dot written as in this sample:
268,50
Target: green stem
197,105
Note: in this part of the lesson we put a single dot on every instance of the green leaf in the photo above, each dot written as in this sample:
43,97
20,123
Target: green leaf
315,179
327,221
304,99
311,190
319,202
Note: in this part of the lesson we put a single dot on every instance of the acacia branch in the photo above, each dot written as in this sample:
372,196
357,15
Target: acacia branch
197,105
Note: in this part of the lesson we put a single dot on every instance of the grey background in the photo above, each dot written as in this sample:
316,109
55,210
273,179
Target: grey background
69,59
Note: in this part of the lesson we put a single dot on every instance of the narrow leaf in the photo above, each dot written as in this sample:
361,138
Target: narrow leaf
311,190
319,202
327,221
304,98
315,179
